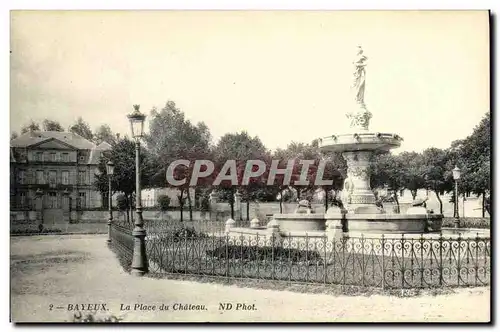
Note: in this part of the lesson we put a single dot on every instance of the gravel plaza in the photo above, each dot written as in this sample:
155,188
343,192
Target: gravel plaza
51,272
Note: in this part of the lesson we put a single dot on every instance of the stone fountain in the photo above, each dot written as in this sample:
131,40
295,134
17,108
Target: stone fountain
358,146
360,214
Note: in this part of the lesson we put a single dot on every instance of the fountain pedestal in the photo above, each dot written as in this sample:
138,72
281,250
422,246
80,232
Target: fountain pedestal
359,197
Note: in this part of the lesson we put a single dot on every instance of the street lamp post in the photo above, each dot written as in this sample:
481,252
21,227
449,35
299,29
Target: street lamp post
110,169
139,259
456,176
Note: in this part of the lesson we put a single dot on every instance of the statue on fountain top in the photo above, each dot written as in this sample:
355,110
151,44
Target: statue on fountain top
359,77
360,119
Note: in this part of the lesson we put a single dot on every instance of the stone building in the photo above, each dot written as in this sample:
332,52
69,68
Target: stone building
53,172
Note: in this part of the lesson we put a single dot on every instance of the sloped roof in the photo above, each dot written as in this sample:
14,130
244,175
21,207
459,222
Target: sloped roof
104,146
95,155
12,158
34,137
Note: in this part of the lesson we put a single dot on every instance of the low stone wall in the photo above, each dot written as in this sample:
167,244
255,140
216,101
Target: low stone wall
261,211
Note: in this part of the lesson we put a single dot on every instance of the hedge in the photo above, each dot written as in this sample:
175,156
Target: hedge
468,222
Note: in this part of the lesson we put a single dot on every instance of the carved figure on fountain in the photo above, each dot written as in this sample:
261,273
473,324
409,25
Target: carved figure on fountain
347,191
304,206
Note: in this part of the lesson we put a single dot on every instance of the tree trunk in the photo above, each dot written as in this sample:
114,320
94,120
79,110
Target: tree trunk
440,202
413,194
190,205
181,203
231,203
482,205
281,202
397,201
127,216
326,200
132,209
196,198
127,208
248,209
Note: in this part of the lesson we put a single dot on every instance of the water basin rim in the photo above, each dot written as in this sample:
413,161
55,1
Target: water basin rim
281,216
370,216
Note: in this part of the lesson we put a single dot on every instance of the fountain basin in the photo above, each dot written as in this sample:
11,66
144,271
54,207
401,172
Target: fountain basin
360,223
393,223
360,142
300,222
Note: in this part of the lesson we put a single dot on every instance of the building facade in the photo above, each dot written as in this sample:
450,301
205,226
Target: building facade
54,172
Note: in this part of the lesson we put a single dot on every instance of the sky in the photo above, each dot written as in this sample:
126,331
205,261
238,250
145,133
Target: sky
283,76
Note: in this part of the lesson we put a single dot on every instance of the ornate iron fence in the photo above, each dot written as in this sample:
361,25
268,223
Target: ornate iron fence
201,248
123,241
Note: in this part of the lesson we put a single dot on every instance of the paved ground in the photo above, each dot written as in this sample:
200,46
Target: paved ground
63,271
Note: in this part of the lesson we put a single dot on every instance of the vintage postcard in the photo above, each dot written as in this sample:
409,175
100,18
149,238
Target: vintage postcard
250,166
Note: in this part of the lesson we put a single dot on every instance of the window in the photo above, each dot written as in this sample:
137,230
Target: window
39,177
52,178
52,203
65,177
22,176
65,157
38,156
82,200
81,177
52,156
22,199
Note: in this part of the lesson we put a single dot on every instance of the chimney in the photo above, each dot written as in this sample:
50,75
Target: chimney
117,136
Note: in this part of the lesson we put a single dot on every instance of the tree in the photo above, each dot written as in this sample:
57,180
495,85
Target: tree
31,126
173,137
123,156
335,169
388,169
297,152
13,135
51,125
413,179
436,172
240,147
82,128
163,202
473,156
103,133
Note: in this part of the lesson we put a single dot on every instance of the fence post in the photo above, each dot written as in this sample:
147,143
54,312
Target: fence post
440,268
325,266
308,259
186,252
241,255
422,260
383,262
402,261
362,260
476,267
290,263
227,255
344,262
272,256
458,259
